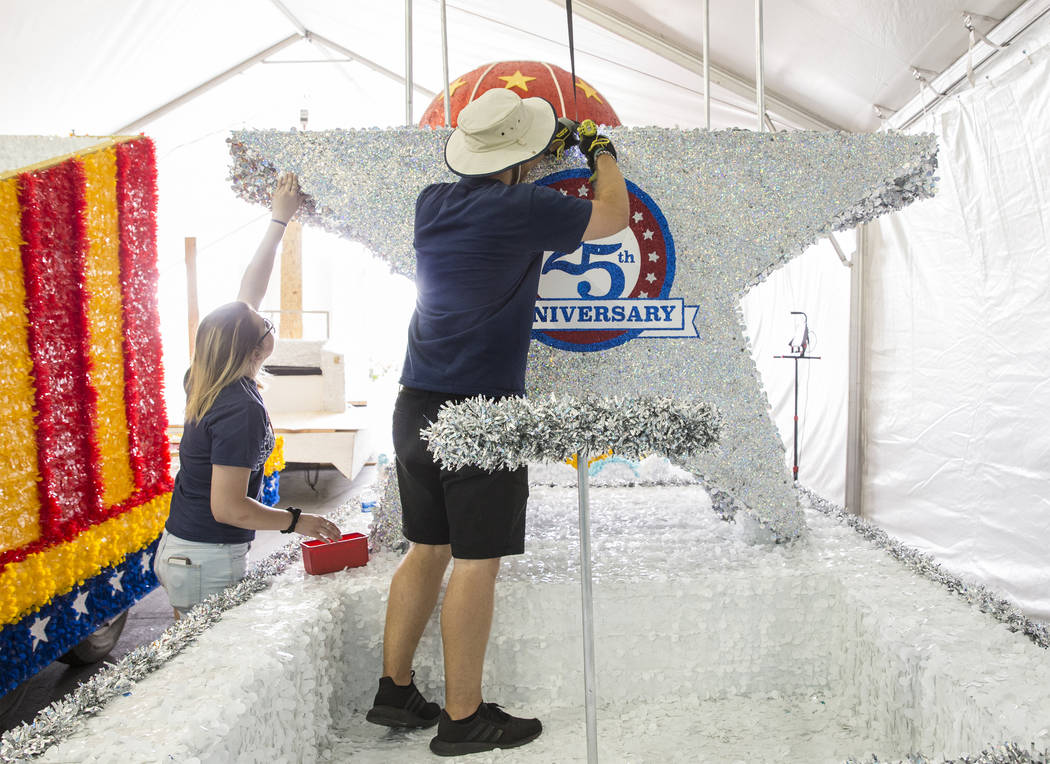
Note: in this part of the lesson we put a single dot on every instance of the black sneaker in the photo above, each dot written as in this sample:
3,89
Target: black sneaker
396,706
490,727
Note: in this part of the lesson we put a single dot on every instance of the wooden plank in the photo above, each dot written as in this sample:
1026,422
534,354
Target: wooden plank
192,309
292,282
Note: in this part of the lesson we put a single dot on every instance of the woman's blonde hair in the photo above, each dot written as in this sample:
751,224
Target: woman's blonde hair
226,338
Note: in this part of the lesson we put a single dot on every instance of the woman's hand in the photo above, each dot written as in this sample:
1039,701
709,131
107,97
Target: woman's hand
286,197
318,527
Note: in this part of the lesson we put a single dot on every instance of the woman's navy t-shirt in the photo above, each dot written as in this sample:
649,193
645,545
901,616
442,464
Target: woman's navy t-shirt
479,243
235,432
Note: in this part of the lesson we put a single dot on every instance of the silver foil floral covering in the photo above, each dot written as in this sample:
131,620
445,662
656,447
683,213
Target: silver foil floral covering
726,208
63,717
384,532
923,564
509,433
1007,753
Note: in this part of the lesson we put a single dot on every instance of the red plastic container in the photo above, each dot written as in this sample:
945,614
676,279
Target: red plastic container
319,557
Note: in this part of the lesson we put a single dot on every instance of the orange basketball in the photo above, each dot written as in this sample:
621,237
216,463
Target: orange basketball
527,79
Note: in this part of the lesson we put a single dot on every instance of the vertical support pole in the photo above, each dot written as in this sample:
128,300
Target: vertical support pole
587,598
707,63
291,326
857,378
794,463
444,64
192,309
408,62
760,84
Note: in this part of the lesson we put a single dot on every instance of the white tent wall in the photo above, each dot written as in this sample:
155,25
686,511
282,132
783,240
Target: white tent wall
957,418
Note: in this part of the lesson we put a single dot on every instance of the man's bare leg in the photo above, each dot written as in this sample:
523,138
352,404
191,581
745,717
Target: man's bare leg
466,618
414,591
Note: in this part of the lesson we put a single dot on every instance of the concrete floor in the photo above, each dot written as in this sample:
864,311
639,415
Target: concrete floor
151,615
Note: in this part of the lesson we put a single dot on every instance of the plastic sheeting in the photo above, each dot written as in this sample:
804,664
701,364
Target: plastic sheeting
957,446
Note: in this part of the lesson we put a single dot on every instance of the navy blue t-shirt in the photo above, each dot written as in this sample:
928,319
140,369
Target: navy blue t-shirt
235,432
479,243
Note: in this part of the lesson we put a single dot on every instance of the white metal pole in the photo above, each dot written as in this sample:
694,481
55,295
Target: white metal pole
444,64
707,63
590,694
408,62
855,400
760,85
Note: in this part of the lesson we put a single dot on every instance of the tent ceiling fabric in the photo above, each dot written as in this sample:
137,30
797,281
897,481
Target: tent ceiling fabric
93,67
834,57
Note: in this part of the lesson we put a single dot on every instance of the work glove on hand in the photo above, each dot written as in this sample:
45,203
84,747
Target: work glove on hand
593,143
564,137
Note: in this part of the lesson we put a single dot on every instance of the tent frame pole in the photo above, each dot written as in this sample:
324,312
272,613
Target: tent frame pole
760,67
204,87
706,32
408,63
444,64
785,109
857,378
324,42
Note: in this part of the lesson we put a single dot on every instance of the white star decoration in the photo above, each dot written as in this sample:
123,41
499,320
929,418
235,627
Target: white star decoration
583,191
146,563
650,278
637,216
653,257
738,205
115,581
39,631
80,604
648,235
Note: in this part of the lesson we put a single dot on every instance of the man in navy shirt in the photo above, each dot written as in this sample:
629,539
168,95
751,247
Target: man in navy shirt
479,244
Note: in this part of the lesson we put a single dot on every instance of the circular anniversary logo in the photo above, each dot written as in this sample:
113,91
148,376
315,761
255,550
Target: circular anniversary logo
613,290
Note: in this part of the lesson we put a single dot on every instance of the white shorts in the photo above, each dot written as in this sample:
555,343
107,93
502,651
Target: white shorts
191,571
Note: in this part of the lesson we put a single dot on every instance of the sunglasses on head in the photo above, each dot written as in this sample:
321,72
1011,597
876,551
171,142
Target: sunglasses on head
269,328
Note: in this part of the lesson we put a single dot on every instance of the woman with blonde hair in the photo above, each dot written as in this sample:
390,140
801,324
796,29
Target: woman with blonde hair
215,508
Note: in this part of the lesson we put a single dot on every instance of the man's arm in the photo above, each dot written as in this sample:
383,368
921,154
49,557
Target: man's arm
285,202
610,208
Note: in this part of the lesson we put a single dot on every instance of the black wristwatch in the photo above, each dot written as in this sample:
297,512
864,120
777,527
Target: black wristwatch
295,518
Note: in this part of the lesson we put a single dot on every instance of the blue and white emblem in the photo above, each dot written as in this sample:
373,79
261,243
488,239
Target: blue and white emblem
613,290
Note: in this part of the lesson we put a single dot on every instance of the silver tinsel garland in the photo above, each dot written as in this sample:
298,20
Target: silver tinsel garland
511,432
1008,753
385,529
924,565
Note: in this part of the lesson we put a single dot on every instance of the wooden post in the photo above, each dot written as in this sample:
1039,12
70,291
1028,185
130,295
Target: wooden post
192,310
292,282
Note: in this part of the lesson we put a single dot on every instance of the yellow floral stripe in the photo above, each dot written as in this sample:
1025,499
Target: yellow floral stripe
275,461
26,585
19,500
106,325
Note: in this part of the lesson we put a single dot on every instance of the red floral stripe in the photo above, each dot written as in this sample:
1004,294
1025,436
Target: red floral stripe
143,370
53,229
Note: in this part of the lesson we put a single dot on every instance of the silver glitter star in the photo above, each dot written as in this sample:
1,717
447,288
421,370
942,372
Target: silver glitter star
738,204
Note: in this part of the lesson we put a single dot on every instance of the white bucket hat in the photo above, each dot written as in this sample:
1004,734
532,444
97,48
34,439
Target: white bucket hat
498,130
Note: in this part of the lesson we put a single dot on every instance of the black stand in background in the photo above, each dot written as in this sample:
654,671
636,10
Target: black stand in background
798,353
